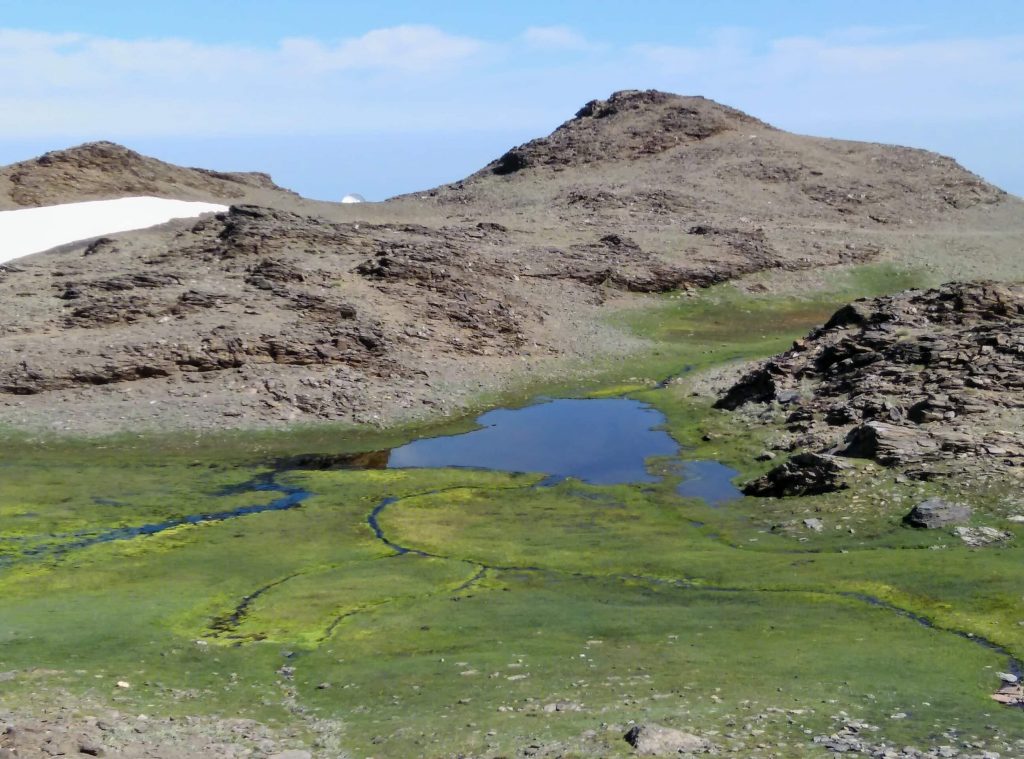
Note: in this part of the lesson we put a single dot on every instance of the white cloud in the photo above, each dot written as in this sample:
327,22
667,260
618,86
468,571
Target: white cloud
856,77
403,48
420,78
556,38
42,64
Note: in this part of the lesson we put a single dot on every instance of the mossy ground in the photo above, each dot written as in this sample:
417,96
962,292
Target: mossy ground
619,602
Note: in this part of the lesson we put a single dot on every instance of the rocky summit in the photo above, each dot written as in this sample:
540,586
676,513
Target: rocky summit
930,382
103,170
285,309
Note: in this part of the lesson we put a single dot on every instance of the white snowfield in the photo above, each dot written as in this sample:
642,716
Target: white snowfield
33,230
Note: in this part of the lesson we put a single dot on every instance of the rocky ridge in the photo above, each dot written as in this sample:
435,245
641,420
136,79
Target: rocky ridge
647,123
102,170
928,382
286,309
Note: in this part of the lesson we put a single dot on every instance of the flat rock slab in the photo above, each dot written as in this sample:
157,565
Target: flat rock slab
655,740
979,537
935,513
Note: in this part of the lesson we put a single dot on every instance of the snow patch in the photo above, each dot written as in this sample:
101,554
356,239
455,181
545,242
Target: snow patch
33,230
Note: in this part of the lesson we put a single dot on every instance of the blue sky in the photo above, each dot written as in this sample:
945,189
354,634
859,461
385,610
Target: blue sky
389,97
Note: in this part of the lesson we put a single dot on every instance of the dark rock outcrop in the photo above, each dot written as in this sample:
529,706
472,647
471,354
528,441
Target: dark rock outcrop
287,309
628,125
919,381
803,474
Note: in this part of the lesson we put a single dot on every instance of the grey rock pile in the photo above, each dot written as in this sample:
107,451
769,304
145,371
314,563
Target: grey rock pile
929,382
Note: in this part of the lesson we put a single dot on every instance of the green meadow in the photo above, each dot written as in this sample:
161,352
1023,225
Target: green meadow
521,614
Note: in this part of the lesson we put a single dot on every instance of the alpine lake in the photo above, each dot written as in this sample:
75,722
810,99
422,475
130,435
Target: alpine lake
546,573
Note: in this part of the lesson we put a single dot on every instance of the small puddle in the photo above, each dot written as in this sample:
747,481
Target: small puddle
710,481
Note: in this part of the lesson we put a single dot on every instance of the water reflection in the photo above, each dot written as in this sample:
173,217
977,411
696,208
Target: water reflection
601,441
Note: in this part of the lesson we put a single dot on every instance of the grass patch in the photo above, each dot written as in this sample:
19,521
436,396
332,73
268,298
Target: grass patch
618,602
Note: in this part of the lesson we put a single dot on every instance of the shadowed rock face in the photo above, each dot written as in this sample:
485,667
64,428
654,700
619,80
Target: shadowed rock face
804,474
922,381
285,309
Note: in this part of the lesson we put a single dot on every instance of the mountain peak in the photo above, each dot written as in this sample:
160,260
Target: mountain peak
627,125
99,151
106,170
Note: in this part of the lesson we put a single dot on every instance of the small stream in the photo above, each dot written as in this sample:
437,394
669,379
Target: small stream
290,498
599,441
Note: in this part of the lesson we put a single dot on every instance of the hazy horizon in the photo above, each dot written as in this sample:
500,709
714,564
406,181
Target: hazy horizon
379,166
396,97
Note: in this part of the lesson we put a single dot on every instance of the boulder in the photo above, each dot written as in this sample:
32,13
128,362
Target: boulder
803,474
889,444
655,740
935,513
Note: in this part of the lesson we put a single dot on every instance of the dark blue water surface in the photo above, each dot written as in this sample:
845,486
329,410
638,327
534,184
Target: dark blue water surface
601,441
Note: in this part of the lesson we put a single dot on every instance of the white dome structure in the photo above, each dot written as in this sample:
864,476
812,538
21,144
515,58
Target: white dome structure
353,198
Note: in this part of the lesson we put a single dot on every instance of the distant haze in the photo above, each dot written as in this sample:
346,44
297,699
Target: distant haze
388,98
380,166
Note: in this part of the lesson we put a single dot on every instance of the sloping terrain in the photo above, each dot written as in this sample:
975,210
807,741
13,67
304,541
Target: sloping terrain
285,309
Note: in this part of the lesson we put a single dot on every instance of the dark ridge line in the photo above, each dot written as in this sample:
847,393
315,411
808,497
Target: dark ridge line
228,623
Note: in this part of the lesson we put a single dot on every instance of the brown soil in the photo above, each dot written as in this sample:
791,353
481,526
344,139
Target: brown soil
285,310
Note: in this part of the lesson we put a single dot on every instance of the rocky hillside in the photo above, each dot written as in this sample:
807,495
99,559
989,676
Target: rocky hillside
928,382
627,126
286,309
103,170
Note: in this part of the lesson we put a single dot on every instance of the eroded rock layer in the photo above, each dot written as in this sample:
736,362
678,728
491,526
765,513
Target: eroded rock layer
925,381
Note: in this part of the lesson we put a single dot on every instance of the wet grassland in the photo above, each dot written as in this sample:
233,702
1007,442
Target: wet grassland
433,611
